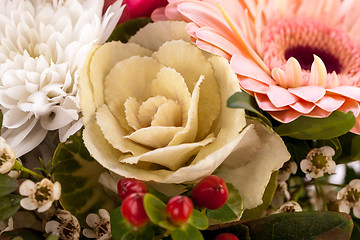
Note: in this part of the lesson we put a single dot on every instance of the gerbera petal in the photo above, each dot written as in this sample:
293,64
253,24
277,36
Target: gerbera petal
203,45
280,96
318,73
330,103
253,85
265,103
245,67
347,91
303,106
309,93
318,112
285,116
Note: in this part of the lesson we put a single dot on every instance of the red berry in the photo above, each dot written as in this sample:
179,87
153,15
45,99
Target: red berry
226,236
133,209
179,209
127,186
211,192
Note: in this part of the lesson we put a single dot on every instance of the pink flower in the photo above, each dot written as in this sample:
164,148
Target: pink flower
137,8
296,57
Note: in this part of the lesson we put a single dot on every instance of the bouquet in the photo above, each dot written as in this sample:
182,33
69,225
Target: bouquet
179,119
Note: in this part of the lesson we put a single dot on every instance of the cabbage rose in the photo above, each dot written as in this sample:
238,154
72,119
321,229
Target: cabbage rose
155,109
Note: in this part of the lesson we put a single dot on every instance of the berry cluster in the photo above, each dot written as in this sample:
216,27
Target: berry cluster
211,193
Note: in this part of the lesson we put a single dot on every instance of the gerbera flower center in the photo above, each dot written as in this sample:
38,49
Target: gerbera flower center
302,39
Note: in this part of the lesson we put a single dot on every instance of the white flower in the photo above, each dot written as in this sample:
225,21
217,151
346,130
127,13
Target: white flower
7,157
40,195
100,225
319,161
66,226
349,197
43,45
281,194
327,193
286,170
290,206
6,225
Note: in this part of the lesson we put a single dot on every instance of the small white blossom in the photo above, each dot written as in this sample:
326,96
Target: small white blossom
100,225
319,161
330,195
349,197
281,195
66,226
6,225
40,195
7,157
286,170
290,206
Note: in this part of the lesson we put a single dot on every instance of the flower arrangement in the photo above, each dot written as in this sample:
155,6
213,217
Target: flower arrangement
179,119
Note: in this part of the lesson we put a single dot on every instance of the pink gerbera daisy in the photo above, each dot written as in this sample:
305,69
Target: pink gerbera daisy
296,57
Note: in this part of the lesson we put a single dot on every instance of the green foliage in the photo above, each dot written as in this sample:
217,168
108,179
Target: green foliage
187,231
247,102
7,185
198,220
78,174
302,225
350,144
294,226
307,128
223,214
270,189
9,204
155,208
125,30
23,233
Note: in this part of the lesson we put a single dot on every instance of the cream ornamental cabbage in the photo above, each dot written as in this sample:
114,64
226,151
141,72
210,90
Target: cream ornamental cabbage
43,45
155,109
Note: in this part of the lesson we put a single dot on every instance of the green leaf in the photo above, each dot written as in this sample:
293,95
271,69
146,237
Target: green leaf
247,102
234,200
350,148
9,205
143,233
302,225
267,197
22,233
355,235
198,220
155,208
307,128
78,174
297,148
125,30
7,185
119,225
52,237
186,232
223,214
355,148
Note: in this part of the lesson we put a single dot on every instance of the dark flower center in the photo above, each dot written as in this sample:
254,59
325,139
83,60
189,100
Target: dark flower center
305,56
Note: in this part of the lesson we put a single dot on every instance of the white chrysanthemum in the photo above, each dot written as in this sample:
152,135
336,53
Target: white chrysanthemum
43,44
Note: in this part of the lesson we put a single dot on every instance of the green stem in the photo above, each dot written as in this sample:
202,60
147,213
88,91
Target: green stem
19,167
